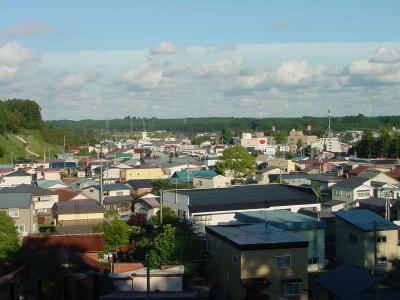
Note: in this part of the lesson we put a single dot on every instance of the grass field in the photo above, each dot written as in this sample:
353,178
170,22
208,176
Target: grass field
15,149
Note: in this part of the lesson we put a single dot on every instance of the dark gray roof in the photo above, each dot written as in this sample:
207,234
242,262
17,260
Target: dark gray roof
333,202
347,282
150,202
364,219
113,187
140,183
324,178
248,197
295,176
117,199
76,206
266,169
17,173
256,236
28,188
15,200
378,202
350,183
282,219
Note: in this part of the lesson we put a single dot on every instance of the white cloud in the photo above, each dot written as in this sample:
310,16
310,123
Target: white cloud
166,48
221,68
296,72
384,55
73,80
143,77
13,54
28,28
7,73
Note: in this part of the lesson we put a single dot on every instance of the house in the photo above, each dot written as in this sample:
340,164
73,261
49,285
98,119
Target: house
51,184
263,174
298,179
286,165
379,206
131,277
352,189
68,195
324,181
355,242
121,204
375,175
170,168
109,190
110,173
210,182
140,187
43,200
148,172
148,204
215,206
309,228
77,216
19,207
346,281
258,261
15,178
50,174
187,175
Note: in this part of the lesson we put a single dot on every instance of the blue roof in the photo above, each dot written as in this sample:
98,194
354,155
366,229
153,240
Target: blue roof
15,200
184,176
113,187
61,164
282,219
365,219
347,282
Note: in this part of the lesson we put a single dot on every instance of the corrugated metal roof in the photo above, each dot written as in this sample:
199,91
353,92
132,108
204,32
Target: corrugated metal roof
350,183
282,219
15,200
28,188
365,220
256,234
75,207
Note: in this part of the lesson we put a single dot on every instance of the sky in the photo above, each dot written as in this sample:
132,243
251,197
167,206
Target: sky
178,59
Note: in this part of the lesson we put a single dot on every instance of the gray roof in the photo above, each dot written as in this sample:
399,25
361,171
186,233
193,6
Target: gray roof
117,199
266,169
113,187
28,188
364,219
15,200
378,202
17,173
347,282
350,183
295,176
324,178
256,236
369,173
76,206
333,202
282,219
248,197
151,202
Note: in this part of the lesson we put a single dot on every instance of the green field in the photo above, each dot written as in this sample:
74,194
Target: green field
15,149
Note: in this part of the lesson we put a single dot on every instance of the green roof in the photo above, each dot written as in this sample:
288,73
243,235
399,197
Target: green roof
350,183
15,200
183,176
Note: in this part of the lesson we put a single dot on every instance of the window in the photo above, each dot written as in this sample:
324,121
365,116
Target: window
120,193
291,289
353,238
14,213
202,218
313,260
235,259
282,261
200,183
381,239
181,214
20,228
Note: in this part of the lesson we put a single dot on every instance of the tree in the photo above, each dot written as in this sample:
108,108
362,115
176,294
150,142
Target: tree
281,137
227,135
138,219
2,151
299,144
9,239
236,161
169,216
116,234
163,247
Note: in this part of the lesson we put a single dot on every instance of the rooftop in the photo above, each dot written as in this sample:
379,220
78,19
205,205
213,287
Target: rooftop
78,207
350,183
257,237
28,188
248,197
15,200
365,220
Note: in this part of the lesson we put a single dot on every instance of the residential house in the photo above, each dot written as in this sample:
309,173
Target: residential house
15,178
43,200
210,182
352,189
218,206
170,168
148,204
110,173
378,176
257,261
77,216
347,282
109,190
286,165
51,184
140,187
310,228
68,195
297,179
263,174
187,175
19,207
121,204
50,174
148,172
324,181
358,232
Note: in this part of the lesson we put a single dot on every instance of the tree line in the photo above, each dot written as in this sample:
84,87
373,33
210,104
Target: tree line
237,125
385,145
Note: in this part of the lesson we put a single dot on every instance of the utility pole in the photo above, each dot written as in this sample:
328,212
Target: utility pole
161,205
147,278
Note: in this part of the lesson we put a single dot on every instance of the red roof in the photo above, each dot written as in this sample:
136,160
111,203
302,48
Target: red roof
395,173
89,242
67,195
138,150
358,170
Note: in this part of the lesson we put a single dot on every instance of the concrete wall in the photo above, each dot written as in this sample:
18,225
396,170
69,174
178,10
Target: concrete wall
211,183
26,222
11,181
150,173
84,217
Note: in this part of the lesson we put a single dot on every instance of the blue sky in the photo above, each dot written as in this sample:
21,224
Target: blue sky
297,57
